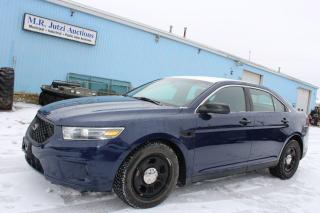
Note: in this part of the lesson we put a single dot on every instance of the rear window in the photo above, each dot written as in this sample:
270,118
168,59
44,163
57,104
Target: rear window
262,101
278,106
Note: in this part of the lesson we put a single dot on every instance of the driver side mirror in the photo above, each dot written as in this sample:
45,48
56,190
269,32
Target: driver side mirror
214,108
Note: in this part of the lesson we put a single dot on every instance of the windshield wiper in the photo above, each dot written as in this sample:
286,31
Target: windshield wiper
148,100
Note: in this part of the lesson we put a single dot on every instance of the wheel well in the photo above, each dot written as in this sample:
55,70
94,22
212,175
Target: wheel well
299,139
181,159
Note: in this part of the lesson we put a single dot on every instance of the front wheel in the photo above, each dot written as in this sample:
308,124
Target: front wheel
147,176
289,161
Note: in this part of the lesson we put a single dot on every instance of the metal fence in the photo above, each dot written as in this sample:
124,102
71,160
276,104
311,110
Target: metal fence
103,86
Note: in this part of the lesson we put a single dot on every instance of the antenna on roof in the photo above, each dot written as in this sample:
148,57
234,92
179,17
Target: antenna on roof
170,30
249,55
185,32
279,69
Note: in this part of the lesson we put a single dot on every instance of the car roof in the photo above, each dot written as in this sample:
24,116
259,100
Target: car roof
205,78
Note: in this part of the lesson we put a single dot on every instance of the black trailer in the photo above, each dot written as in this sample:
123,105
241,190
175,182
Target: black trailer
62,90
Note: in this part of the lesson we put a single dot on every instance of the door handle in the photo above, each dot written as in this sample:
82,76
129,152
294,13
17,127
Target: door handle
244,121
285,121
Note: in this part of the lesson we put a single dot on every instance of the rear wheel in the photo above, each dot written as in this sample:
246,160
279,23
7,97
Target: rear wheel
289,161
147,176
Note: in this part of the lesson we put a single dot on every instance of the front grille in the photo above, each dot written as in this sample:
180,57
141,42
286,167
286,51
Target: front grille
40,130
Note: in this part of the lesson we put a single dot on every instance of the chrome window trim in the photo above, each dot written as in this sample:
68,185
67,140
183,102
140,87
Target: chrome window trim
244,86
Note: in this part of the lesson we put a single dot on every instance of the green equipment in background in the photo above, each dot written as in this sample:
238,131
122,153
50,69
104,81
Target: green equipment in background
103,86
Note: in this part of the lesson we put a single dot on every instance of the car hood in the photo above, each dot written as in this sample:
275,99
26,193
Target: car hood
97,111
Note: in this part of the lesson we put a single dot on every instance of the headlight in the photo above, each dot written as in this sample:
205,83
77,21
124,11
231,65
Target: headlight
83,133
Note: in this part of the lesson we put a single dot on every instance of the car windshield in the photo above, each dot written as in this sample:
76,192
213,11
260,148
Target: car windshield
170,91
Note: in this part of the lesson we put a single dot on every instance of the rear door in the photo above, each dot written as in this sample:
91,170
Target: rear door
270,123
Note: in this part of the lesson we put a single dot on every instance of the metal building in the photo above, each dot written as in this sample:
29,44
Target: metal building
44,40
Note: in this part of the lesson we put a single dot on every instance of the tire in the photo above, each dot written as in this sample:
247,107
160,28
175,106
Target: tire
286,168
6,88
136,182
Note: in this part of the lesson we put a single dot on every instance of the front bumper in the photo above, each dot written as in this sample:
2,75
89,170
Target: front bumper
84,166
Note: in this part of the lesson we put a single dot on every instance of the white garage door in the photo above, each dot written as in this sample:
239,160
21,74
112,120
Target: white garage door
303,98
251,77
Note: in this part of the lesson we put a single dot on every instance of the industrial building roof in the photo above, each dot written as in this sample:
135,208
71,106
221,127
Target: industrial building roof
125,21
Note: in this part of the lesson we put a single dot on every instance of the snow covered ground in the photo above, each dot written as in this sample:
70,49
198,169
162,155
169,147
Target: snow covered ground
24,190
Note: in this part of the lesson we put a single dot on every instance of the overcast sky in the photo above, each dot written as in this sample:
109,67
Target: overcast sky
279,33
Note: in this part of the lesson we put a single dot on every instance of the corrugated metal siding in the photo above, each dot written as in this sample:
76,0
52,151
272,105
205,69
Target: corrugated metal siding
121,52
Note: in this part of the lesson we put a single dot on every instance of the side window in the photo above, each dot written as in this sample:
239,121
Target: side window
262,101
232,96
278,106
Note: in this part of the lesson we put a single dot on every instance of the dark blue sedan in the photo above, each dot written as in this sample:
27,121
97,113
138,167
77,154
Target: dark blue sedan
172,131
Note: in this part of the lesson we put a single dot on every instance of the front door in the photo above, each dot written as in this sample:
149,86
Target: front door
223,140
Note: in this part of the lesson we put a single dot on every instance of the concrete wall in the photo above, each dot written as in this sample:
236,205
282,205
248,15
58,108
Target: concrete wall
121,52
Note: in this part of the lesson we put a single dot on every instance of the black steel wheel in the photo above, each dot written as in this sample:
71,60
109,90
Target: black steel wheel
147,176
289,161
151,176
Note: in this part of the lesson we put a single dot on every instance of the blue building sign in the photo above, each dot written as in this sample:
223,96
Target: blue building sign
58,29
